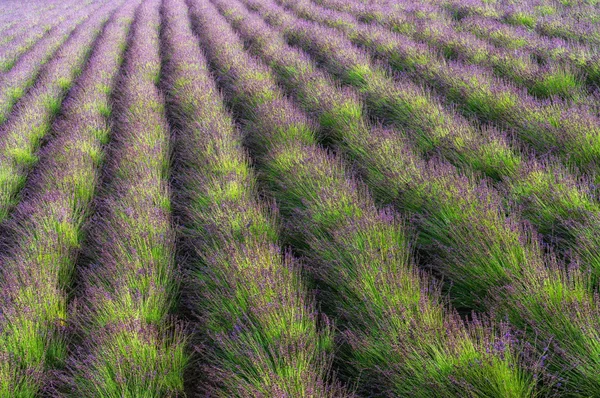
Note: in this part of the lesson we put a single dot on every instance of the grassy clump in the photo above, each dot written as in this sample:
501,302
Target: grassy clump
522,18
559,83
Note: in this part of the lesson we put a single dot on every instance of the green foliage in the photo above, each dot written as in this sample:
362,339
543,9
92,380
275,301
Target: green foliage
521,18
559,83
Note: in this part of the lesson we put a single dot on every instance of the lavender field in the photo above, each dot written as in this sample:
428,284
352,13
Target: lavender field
300,198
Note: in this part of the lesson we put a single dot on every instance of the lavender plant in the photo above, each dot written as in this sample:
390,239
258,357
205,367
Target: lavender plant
15,83
130,344
552,20
21,135
570,55
402,103
541,80
562,26
12,13
569,130
362,136
46,228
556,203
360,255
33,17
266,338
17,42
462,224
339,112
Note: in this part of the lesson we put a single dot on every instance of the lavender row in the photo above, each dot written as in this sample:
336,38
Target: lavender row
537,9
24,39
129,344
570,23
561,66
571,131
23,74
577,60
27,18
22,134
341,113
361,256
250,299
543,81
399,102
572,55
560,207
46,230
12,12
492,261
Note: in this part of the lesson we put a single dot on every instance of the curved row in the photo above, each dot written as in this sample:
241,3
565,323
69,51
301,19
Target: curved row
566,20
359,255
22,134
12,12
543,81
572,131
25,38
558,205
266,338
506,48
129,343
573,55
27,18
491,261
46,230
15,83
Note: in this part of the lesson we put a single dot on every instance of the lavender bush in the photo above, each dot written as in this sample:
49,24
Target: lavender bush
24,72
46,228
551,198
249,297
571,130
359,254
22,134
469,235
22,37
130,343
